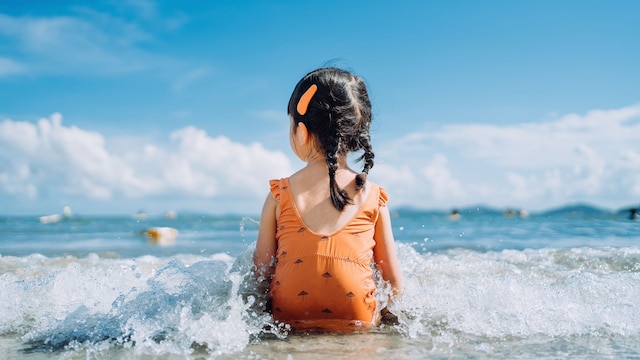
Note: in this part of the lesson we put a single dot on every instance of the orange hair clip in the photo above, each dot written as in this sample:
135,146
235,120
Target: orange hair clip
305,99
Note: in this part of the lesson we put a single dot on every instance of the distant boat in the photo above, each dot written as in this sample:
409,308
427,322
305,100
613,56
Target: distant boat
54,218
49,219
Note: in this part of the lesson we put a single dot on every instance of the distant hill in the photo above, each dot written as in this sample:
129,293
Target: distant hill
580,209
577,209
467,210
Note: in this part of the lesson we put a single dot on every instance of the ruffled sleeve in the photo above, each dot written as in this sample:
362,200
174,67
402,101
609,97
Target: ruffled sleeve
383,198
275,189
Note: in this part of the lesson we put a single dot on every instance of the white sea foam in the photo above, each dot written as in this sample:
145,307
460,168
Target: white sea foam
192,304
524,293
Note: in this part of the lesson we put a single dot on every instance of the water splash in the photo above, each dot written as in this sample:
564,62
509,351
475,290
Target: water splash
549,292
210,306
153,305
243,224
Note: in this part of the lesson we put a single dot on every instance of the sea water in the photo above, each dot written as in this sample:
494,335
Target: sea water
558,284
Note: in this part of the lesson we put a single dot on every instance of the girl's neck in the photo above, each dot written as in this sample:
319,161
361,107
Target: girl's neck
320,162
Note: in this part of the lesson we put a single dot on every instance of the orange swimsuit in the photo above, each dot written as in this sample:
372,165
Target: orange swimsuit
324,281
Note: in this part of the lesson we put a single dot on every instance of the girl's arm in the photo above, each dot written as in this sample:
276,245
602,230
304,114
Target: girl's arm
385,251
266,243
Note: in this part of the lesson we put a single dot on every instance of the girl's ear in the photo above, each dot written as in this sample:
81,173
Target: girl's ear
302,134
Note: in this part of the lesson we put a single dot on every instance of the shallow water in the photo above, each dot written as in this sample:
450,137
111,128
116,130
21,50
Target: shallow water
552,285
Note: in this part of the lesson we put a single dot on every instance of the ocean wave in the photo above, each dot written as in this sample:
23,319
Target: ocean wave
189,303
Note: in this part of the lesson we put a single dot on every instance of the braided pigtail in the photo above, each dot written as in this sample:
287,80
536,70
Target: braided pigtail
368,156
361,130
339,197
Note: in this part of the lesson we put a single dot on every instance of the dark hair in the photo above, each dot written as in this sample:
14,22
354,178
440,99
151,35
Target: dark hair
339,117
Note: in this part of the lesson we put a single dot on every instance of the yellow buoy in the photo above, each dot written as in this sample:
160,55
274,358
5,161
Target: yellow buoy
162,236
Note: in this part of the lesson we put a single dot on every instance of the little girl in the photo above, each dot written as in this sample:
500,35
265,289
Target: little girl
323,228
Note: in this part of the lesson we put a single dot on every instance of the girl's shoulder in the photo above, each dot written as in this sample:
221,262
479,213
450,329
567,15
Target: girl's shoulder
276,186
379,191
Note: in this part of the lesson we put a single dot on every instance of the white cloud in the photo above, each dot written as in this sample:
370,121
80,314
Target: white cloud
146,9
90,42
98,43
191,77
593,157
273,115
67,159
53,158
439,181
10,67
94,42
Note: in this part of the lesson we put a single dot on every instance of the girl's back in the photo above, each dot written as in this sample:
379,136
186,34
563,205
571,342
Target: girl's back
313,201
323,273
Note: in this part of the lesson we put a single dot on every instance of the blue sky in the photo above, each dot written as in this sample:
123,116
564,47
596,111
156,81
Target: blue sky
115,106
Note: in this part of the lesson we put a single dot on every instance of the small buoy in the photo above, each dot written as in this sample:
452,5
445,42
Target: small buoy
163,236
